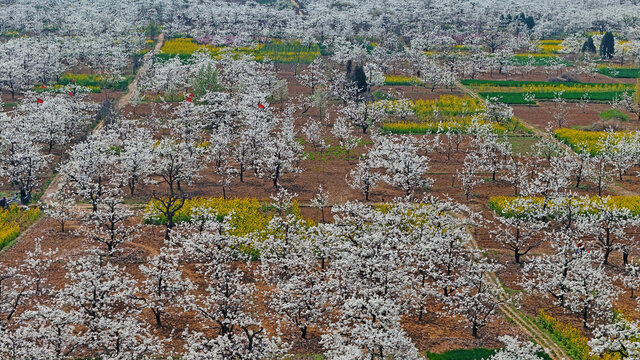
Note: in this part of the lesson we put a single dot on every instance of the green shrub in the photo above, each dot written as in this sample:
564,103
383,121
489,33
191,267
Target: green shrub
381,95
205,80
614,114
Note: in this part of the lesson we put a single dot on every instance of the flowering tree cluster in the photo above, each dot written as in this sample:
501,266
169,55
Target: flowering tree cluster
351,280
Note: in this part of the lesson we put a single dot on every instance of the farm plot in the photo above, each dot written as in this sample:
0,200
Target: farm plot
13,220
278,51
447,113
528,92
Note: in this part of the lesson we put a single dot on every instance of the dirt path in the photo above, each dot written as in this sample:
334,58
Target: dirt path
521,320
468,91
146,62
296,4
122,102
509,310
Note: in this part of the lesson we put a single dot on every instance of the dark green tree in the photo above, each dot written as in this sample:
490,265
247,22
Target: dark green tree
530,22
607,46
359,78
205,80
589,46
152,30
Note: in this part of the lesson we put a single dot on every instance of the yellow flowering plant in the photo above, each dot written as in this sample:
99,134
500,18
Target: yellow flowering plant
400,80
13,220
247,215
283,52
504,205
575,344
585,141
447,113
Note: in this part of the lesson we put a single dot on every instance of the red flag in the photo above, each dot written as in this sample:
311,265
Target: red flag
261,106
40,101
70,93
188,99
43,86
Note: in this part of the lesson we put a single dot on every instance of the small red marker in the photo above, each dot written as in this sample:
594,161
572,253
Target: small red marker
188,99
73,80
44,86
261,106
191,95
40,101
70,93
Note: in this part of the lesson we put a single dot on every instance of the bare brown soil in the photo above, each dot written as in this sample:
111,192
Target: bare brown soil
435,333
541,114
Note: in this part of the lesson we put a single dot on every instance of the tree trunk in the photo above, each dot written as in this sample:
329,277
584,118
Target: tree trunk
169,226
625,256
607,252
156,313
600,187
132,186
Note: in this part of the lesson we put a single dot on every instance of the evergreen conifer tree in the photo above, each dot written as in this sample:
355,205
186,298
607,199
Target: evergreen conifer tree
607,46
589,46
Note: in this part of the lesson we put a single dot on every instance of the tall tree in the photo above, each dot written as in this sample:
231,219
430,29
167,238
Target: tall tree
589,46
607,46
